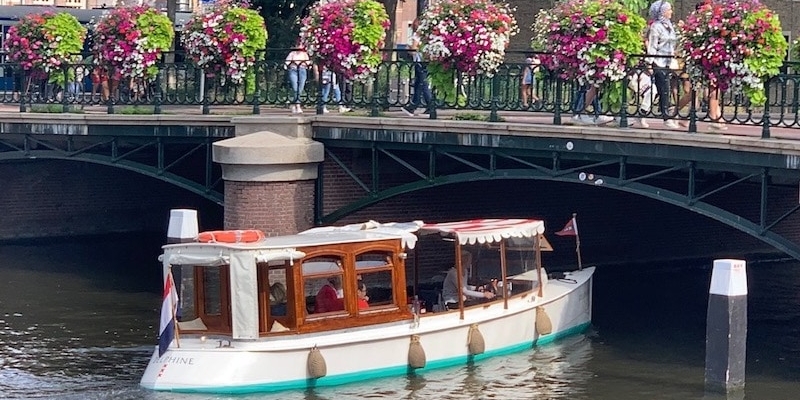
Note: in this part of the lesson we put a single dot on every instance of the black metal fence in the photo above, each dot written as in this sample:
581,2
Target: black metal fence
391,87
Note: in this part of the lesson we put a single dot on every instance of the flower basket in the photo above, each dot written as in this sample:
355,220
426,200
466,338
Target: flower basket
464,37
588,40
129,41
44,42
346,36
733,44
225,39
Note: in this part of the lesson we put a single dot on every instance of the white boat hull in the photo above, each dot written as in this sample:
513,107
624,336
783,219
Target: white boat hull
280,363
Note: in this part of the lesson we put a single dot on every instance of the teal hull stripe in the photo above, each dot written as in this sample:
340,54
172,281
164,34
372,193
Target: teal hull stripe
384,372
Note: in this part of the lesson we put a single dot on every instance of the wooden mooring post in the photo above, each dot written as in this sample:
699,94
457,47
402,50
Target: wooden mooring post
726,327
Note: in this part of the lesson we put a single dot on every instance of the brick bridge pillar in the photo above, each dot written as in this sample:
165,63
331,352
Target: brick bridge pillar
269,181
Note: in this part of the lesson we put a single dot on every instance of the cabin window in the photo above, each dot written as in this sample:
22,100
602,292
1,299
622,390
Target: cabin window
375,275
322,286
212,299
204,297
276,291
183,276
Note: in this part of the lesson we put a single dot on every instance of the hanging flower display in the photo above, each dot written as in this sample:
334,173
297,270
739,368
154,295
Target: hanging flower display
733,44
130,40
346,36
226,39
464,37
43,42
588,40
470,36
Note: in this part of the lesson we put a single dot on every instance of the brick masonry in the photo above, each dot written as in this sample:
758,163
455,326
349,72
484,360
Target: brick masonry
52,198
277,208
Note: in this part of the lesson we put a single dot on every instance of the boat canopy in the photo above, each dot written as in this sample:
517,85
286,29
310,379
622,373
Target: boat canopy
404,230
220,258
486,230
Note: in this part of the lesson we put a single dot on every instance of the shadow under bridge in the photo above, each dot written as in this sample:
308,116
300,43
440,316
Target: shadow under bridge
183,161
695,172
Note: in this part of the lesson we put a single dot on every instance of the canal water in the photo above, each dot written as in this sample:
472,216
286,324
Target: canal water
78,320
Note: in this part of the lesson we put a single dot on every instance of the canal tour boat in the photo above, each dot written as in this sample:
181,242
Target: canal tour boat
334,305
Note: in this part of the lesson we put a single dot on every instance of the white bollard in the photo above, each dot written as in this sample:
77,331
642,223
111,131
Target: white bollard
182,226
726,327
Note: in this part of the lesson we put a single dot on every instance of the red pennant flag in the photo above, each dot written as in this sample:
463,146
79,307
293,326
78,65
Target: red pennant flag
570,229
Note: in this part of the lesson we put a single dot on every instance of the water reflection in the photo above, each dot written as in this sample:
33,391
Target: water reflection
78,323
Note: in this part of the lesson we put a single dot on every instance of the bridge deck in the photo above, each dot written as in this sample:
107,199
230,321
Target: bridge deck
517,117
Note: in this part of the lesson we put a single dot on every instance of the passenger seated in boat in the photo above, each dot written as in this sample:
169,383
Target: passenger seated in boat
277,299
470,294
327,299
363,299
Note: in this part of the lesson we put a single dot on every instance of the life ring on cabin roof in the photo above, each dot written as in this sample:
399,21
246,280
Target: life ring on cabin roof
237,236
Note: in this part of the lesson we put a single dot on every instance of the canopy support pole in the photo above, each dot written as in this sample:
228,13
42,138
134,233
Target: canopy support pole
459,279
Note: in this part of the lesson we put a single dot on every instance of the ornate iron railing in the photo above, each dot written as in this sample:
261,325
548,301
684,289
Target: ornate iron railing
180,83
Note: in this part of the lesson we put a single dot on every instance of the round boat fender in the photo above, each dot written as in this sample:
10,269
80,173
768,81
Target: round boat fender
316,364
416,354
236,236
543,324
475,342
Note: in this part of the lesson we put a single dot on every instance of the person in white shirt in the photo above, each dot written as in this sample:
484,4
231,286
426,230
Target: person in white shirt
298,63
450,285
661,41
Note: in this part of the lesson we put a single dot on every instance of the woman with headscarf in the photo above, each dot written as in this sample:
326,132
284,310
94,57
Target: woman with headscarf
661,41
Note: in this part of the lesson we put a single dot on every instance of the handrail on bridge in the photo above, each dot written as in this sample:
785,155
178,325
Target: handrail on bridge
180,83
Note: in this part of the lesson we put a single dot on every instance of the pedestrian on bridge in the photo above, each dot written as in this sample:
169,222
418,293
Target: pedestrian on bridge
422,90
297,63
661,41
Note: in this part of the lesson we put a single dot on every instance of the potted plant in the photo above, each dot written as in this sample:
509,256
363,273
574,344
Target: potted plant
225,40
590,41
346,36
464,37
130,40
42,43
733,44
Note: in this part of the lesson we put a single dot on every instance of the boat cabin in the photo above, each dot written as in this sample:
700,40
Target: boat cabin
345,277
310,282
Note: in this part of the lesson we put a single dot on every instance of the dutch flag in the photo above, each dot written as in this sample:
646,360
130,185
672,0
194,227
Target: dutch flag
168,309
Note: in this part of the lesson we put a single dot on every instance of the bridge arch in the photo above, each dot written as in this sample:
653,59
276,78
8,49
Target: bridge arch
687,202
158,159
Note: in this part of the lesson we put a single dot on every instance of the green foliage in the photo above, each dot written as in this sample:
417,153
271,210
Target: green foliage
369,18
54,109
473,117
636,6
136,110
444,82
282,19
251,26
768,52
158,30
69,30
612,95
45,43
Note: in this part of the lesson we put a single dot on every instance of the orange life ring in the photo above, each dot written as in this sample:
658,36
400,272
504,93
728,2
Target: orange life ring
245,236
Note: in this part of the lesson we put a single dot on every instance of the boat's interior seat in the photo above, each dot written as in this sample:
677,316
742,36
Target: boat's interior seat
193,325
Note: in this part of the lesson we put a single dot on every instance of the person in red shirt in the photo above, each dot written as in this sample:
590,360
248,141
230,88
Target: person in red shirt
363,299
327,298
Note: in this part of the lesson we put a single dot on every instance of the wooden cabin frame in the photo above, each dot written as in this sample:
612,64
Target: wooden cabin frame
385,258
